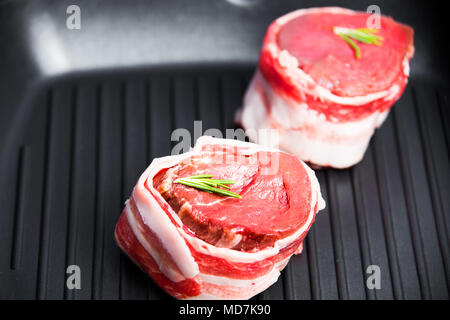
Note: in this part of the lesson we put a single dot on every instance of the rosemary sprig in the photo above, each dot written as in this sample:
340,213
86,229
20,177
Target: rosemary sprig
206,183
364,35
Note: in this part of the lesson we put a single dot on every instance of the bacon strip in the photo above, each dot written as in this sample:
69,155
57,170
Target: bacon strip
153,236
315,123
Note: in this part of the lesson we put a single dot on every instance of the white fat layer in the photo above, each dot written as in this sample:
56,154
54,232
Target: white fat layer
173,237
242,283
243,289
170,273
161,225
319,146
406,66
306,83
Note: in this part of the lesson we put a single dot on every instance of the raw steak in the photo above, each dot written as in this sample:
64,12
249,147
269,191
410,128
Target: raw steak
196,244
309,85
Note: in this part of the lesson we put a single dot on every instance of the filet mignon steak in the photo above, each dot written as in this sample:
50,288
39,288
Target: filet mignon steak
196,244
324,101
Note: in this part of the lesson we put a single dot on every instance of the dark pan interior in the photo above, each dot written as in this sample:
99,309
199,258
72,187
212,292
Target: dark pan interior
75,142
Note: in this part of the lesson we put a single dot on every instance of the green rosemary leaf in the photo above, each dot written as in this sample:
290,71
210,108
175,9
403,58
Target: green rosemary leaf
209,183
364,35
224,186
227,193
352,44
205,183
192,183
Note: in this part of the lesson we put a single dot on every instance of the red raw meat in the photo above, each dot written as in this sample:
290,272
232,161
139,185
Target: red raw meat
309,85
331,62
200,245
272,206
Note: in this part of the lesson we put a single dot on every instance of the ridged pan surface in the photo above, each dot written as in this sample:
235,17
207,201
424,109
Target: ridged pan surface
86,142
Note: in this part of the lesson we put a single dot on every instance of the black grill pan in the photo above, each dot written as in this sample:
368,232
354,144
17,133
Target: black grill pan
75,141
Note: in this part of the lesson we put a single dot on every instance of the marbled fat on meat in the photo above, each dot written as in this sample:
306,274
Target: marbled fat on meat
197,245
309,86
272,206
